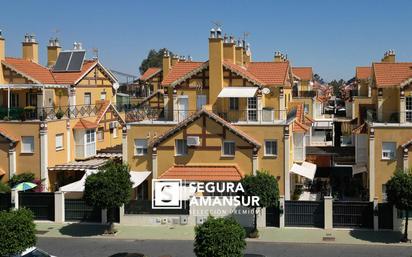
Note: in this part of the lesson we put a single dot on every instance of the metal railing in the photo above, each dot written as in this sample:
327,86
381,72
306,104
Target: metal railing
253,116
49,113
388,117
304,93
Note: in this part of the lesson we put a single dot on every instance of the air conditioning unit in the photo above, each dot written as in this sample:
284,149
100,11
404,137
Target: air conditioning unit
113,124
193,141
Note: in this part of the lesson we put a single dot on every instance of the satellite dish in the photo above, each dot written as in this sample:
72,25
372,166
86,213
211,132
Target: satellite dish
311,83
116,86
265,91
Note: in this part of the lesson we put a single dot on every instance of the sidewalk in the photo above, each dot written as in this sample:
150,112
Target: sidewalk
289,235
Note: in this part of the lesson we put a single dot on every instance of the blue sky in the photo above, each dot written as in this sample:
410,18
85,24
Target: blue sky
332,36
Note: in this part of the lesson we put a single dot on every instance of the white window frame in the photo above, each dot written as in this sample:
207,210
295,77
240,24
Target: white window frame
266,149
140,146
252,109
89,96
60,146
100,129
24,142
223,148
181,152
201,100
102,95
408,108
388,150
115,132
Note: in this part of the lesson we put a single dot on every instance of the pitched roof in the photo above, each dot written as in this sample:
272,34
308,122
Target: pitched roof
363,72
105,106
204,173
270,73
85,124
73,77
180,70
31,70
149,73
9,136
299,123
392,74
212,116
242,71
304,73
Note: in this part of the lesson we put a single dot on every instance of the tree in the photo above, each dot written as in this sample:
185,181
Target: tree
220,237
17,231
399,193
263,185
23,177
109,188
337,85
153,59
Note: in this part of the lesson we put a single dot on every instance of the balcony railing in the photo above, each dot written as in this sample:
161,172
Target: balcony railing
304,93
48,113
389,117
253,116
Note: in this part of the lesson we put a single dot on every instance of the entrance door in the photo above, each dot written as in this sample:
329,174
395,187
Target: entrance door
182,107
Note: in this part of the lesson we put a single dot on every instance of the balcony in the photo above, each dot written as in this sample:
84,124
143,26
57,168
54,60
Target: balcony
254,116
48,113
373,116
304,93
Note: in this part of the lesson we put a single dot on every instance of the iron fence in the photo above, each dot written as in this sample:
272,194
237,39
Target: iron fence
352,214
5,201
304,214
385,216
78,210
41,204
273,216
145,207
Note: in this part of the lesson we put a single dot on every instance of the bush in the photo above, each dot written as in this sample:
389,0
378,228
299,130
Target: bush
17,231
24,177
4,188
296,194
59,114
221,237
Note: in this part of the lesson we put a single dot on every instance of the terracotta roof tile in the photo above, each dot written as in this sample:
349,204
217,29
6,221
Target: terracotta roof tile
270,73
242,71
392,74
204,173
8,135
72,77
299,123
85,124
179,70
150,72
304,73
361,129
31,70
363,72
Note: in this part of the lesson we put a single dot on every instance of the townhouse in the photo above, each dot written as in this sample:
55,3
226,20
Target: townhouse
220,119
55,120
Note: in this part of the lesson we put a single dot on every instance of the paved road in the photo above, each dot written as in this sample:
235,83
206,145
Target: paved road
79,247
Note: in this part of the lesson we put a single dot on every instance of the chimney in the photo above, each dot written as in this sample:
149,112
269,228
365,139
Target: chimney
247,54
2,56
215,65
175,59
30,48
239,53
229,51
278,57
389,57
166,64
53,50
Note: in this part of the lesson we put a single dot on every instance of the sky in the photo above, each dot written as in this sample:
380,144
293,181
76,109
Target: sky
331,36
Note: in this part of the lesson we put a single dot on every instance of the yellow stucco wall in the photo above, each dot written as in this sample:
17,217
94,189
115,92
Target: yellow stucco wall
4,157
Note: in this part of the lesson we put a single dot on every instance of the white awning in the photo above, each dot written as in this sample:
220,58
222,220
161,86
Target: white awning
306,170
238,92
358,169
78,186
323,124
137,177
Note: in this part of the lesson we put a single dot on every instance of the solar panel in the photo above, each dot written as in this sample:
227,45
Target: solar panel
76,62
62,61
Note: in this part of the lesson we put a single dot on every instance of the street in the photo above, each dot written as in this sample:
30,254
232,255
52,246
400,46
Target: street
82,247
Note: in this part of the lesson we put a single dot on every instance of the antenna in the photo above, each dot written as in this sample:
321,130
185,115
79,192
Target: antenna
217,24
95,51
245,35
56,31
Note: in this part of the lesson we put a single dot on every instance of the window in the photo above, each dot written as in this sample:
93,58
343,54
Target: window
181,147
90,136
233,104
408,108
200,101
140,146
59,142
14,100
252,109
100,134
271,147
103,96
228,148
388,150
27,144
87,98
115,132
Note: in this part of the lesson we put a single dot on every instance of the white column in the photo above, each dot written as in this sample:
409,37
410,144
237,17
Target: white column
154,163
375,214
44,175
121,209
402,107
104,216
328,209
371,165
68,141
15,198
12,160
255,166
124,144
166,106
380,105
405,158
259,107
282,110
175,108
286,164
59,211
282,211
